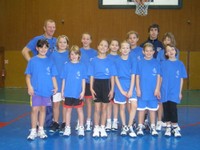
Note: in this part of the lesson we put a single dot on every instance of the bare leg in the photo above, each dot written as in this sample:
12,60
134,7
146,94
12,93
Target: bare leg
122,113
103,113
68,116
97,111
133,109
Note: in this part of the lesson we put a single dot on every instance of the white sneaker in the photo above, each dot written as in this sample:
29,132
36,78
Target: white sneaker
42,134
131,132
114,126
153,131
124,131
168,131
108,125
140,131
164,124
77,126
103,132
88,126
32,135
67,131
81,131
96,132
176,132
159,126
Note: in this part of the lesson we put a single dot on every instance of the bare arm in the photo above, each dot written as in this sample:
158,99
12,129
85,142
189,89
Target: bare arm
119,86
29,86
111,93
55,85
157,90
138,91
181,87
83,89
26,54
130,92
91,87
62,88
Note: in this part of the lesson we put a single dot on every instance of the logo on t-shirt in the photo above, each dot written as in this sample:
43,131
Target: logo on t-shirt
78,74
154,72
177,74
107,72
48,70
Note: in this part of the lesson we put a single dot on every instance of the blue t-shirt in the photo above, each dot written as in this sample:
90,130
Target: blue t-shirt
137,53
73,73
41,71
161,55
113,57
86,56
148,71
101,68
59,59
33,43
171,73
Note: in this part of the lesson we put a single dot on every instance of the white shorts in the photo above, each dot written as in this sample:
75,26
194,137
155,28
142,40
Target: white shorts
57,97
127,101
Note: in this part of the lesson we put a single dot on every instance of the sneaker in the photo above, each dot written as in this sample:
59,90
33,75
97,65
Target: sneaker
134,124
108,125
42,134
159,126
114,126
32,135
62,128
88,126
96,132
67,131
103,132
81,131
146,125
176,132
54,127
153,131
164,124
140,131
77,126
131,132
124,131
168,131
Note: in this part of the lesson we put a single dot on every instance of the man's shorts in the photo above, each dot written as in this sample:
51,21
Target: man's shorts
36,100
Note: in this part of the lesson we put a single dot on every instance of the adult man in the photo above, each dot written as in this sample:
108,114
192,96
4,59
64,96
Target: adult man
49,29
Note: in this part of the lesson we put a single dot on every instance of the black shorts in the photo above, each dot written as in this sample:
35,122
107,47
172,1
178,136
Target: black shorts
102,89
73,102
87,91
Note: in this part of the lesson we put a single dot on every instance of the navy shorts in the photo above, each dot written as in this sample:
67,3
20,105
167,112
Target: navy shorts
73,102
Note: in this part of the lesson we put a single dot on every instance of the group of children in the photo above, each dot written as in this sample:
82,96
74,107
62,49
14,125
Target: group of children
115,77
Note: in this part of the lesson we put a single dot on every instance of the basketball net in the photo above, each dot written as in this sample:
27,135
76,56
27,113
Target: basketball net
141,7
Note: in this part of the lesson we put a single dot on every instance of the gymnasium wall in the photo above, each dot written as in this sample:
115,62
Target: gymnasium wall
23,19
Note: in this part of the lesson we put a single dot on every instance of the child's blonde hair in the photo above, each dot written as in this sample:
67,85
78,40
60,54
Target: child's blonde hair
76,50
65,37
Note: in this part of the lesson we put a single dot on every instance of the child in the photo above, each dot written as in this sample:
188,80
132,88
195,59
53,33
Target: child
113,55
136,51
59,57
101,73
153,31
73,89
172,73
41,83
148,88
167,39
87,54
125,91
